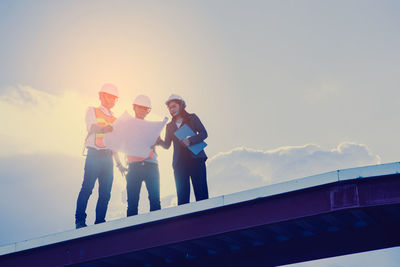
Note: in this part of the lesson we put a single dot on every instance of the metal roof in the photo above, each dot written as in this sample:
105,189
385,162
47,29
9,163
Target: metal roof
330,214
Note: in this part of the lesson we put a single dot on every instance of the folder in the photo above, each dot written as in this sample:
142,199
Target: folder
184,132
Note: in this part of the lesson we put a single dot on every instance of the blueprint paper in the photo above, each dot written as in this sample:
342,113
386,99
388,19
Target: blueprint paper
184,132
134,136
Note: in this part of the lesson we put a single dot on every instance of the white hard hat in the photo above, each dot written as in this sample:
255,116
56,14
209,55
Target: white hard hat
109,89
142,100
175,97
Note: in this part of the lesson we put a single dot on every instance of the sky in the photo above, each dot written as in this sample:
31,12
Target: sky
285,89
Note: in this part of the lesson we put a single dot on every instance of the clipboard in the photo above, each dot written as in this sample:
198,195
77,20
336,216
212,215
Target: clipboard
184,132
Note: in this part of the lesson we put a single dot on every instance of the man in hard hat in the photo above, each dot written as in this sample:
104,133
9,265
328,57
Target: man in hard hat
142,169
99,159
187,166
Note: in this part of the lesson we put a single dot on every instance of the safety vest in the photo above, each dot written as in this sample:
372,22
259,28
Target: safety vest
131,159
102,120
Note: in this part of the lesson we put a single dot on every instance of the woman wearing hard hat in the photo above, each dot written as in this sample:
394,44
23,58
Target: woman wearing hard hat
187,166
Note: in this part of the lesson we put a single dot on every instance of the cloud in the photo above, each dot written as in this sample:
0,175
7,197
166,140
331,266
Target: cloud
19,95
244,168
39,122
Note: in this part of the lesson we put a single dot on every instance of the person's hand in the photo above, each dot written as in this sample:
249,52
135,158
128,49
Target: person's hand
122,169
158,141
107,129
185,142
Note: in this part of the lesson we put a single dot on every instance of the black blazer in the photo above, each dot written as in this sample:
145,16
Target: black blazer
180,151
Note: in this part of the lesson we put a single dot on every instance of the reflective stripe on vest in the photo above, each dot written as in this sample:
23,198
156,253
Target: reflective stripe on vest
102,120
131,159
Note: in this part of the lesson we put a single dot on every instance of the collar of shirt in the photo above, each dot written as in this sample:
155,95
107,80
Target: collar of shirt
106,111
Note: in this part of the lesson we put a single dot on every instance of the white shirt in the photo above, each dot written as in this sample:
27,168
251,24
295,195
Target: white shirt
90,120
178,123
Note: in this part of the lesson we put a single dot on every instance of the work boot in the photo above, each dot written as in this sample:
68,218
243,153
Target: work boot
80,225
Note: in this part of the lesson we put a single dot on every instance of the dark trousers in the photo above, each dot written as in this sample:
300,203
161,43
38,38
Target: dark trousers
98,165
139,172
195,170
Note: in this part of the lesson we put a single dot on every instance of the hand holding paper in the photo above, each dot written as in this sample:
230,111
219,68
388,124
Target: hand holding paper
134,136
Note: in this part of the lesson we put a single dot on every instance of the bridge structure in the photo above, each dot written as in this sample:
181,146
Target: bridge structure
330,214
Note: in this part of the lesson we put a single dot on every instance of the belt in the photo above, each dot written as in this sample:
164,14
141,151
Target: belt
142,163
105,152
